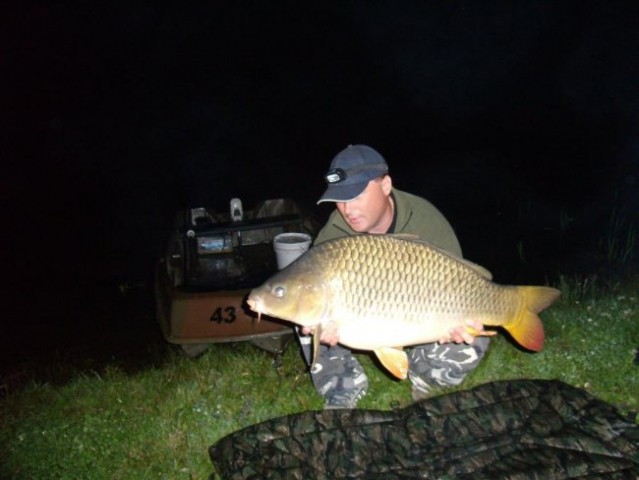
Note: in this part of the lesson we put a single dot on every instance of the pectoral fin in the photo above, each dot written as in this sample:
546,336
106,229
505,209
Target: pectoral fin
477,333
394,359
317,333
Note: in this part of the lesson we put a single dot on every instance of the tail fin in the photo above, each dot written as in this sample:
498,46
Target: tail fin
526,328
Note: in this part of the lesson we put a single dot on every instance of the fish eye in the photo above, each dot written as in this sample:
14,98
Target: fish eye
279,291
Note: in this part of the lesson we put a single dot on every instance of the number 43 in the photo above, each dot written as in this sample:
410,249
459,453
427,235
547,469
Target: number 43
223,314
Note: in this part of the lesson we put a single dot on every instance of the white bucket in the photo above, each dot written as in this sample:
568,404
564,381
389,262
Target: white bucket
289,246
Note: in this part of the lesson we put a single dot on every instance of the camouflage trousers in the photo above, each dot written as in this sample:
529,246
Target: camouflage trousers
337,375
340,379
443,365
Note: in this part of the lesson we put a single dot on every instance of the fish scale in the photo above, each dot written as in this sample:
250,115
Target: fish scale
384,292
374,275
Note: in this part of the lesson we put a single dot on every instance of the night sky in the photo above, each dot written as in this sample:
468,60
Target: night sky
519,120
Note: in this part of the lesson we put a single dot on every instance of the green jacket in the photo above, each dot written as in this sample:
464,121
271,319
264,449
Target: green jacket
414,215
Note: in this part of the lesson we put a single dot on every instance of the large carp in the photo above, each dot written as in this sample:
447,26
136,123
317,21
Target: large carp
384,292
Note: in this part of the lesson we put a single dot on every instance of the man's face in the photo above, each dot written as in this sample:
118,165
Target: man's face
366,213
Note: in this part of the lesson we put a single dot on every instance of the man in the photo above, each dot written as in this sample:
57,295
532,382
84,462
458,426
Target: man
366,202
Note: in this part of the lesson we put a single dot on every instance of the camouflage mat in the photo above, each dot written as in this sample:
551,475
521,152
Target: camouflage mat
523,429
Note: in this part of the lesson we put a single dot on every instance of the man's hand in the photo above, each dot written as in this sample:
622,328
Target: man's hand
461,334
329,334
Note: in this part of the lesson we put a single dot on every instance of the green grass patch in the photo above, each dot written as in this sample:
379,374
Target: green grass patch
158,423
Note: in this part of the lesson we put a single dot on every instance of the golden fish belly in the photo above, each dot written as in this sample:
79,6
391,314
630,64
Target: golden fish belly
421,319
394,333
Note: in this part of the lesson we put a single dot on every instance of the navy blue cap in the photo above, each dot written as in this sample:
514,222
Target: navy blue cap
350,172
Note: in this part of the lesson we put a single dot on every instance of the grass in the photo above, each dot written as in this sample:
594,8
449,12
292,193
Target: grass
620,241
158,423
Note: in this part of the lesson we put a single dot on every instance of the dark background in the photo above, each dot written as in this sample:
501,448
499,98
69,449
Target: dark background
519,120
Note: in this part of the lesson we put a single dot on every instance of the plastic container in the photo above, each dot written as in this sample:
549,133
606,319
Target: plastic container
289,246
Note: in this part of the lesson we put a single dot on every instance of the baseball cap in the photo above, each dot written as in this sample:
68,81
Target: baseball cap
350,172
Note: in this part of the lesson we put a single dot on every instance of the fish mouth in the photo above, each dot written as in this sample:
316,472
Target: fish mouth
251,302
256,304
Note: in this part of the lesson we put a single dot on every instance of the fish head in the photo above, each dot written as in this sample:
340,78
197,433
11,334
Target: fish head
297,294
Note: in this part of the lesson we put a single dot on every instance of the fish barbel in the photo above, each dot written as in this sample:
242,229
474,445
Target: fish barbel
385,292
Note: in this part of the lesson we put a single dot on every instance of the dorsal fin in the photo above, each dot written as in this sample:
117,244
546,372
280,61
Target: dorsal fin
407,236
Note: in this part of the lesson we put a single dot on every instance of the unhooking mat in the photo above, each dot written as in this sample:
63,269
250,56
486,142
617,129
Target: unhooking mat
522,429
